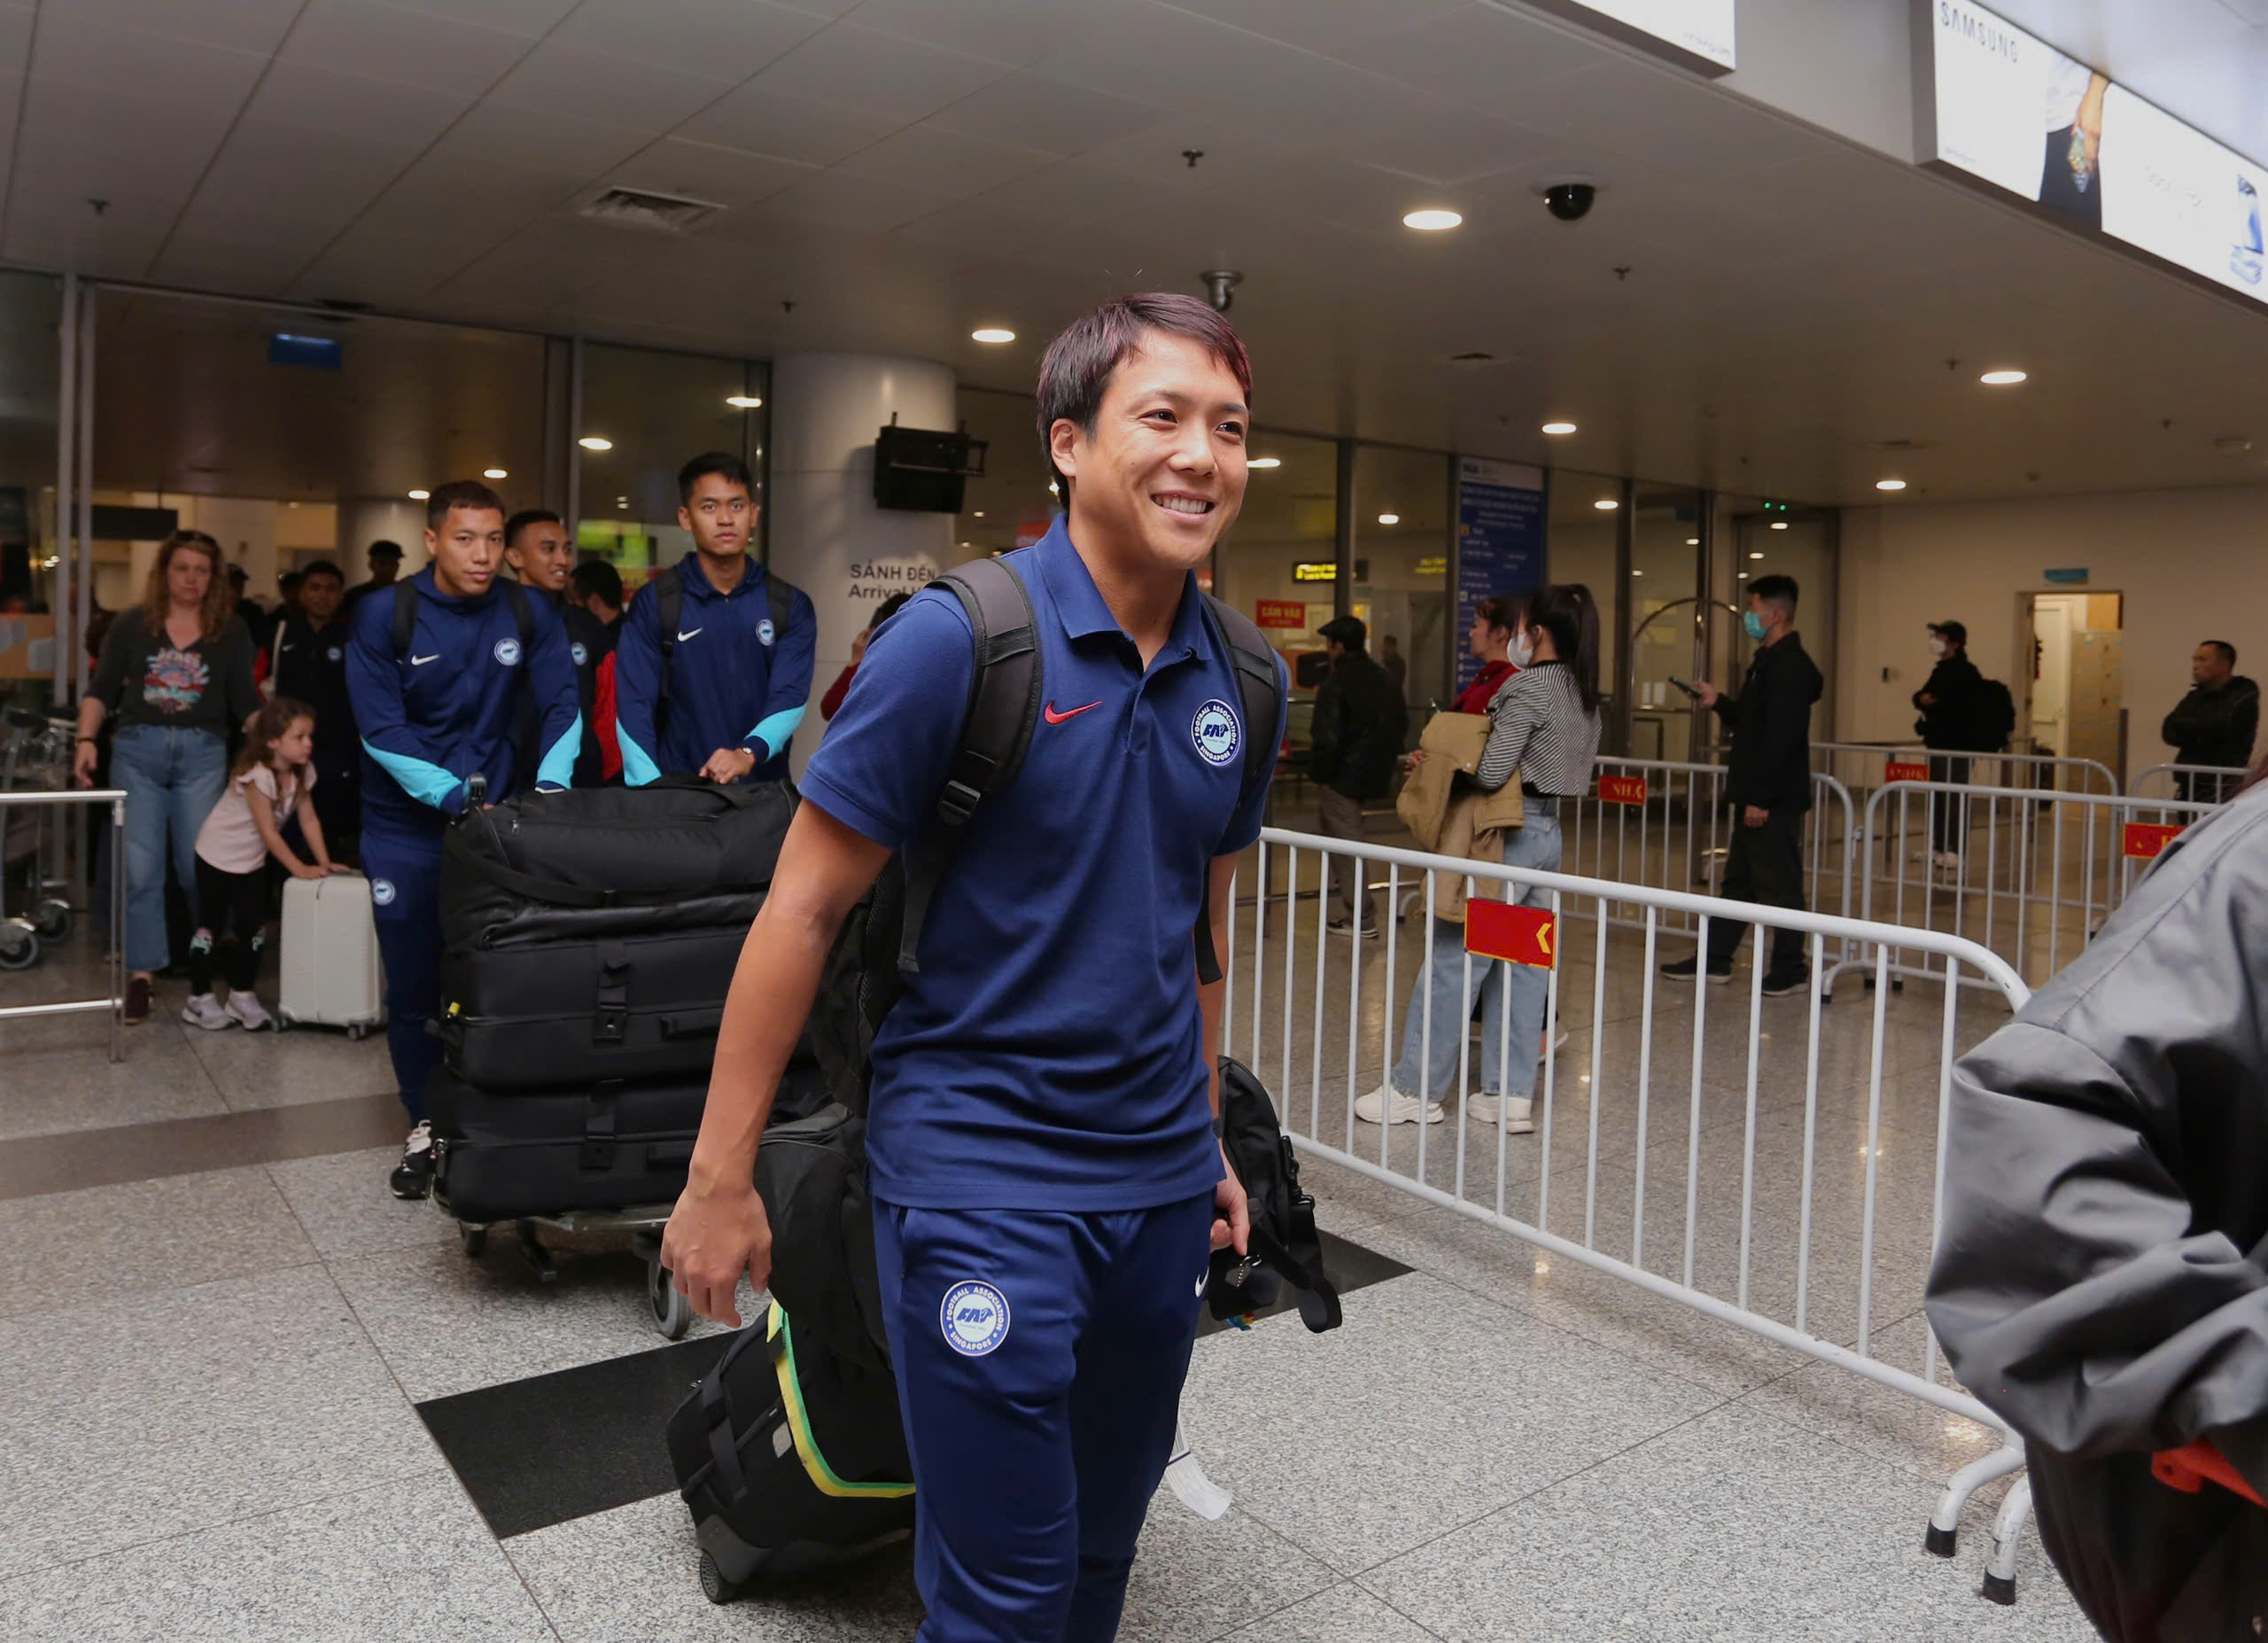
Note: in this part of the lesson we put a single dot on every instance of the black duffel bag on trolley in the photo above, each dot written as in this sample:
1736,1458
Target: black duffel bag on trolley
592,934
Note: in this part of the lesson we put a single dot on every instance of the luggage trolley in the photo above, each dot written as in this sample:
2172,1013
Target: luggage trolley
669,1312
37,759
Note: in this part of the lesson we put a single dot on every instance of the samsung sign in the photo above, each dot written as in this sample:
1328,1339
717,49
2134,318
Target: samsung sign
1699,32
2014,111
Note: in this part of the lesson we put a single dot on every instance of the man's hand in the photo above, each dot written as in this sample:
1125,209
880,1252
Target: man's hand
1232,1228
82,764
1755,815
728,765
1707,694
714,1236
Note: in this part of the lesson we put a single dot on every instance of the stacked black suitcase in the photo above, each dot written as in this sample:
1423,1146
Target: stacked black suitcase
589,938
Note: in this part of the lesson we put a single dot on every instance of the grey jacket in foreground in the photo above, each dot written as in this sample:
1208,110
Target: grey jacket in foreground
2101,1276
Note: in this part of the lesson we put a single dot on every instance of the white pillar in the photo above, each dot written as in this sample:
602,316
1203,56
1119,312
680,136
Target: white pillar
828,536
366,520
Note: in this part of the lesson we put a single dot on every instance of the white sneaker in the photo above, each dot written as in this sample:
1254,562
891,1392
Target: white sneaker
204,1010
1483,1108
243,1009
1389,1105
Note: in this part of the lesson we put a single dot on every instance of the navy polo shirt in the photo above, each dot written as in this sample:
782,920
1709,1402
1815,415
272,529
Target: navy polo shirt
1049,1054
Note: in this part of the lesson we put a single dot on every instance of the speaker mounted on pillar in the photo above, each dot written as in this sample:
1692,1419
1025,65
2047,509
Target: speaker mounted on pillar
923,470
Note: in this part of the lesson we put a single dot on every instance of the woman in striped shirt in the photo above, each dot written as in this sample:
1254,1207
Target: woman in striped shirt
1543,724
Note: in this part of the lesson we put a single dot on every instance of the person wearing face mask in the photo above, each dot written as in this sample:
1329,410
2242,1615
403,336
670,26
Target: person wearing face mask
1951,708
1768,781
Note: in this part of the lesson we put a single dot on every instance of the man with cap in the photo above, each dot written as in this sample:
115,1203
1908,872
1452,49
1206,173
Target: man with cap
1951,706
384,560
1359,723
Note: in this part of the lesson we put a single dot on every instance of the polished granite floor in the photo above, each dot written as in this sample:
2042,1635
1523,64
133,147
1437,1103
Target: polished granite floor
251,1397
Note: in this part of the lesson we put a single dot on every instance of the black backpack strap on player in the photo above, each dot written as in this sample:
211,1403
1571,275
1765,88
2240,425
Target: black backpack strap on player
784,604
1003,706
1260,686
405,616
668,610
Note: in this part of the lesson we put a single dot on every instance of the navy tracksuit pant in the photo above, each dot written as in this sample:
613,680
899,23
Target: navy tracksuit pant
1040,1357
404,868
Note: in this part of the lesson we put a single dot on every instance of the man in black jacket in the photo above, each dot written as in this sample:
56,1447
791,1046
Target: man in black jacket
2214,724
306,661
1952,706
1357,737
1769,783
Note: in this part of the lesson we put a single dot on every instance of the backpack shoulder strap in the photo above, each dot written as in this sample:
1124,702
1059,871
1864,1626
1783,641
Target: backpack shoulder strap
783,594
516,595
1259,689
668,610
1003,694
404,617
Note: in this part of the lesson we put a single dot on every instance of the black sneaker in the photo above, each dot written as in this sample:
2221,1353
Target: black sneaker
413,1177
1779,984
1683,969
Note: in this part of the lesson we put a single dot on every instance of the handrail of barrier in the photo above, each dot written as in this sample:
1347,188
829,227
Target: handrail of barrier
2007,896
115,797
2226,780
1458,1178
1884,753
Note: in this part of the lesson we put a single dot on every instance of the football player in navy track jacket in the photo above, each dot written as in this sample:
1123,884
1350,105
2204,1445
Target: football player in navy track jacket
430,715
1046,1181
737,681
537,550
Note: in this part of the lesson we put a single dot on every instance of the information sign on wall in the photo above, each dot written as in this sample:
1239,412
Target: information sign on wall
1286,614
1500,542
2003,105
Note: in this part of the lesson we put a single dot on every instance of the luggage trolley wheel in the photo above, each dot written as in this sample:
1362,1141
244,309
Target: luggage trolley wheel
19,945
473,1239
714,1586
357,1032
671,1312
52,919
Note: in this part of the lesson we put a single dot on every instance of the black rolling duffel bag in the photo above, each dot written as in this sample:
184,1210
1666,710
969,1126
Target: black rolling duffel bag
614,1145
788,1458
592,934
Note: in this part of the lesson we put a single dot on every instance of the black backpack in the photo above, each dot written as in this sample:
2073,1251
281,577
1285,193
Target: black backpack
1283,1245
1996,716
669,612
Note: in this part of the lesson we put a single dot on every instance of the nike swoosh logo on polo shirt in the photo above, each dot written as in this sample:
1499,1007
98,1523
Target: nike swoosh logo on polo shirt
1054,718
420,661
682,635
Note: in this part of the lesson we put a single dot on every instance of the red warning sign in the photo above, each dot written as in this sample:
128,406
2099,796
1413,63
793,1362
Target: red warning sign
1906,770
1615,789
1497,930
1281,614
2146,841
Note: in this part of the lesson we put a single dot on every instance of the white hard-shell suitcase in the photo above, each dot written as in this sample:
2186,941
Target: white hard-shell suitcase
330,964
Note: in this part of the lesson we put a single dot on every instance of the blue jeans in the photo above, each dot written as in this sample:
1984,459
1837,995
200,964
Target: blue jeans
173,778
1535,845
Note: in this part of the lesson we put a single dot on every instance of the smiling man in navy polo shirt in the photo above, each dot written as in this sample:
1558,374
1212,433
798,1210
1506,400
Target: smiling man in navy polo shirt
1047,1185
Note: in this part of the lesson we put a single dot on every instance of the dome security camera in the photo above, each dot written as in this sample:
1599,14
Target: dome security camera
1570,202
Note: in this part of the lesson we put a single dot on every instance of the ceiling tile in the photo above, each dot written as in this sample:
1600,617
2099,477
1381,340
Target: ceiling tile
299,171
230,265
759,119
945,162
839,199
529,17
243,25
270,228
883,74
384,111
15,38
721,39
1479,56
1006,31
1035,112
413,48
1232,157
556,78
537,140
73,52
1656,116
724,176
1333,25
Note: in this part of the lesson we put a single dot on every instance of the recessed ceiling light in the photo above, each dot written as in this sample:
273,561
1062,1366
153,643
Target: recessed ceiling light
742,402
992,334
1692,541
1638,572
980,513
1607,504
1432,221
1559,427
1743,576
494,473
1389,518
419,495
1779,525
1265,462
1890,485
591,442
2002,378
1757,554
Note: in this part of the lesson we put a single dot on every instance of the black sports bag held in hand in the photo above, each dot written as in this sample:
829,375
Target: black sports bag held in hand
1283,1245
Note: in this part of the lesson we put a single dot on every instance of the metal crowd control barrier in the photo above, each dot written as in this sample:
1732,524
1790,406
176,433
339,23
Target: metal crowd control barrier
1320,1022
1862,766
2035,876
115,797
2198,783
1669,825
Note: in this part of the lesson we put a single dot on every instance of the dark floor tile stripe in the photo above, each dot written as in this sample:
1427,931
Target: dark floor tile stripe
555,1447
77,1159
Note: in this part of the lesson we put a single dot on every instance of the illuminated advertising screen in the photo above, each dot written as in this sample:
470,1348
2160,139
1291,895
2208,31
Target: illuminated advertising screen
2012,110
1701,30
